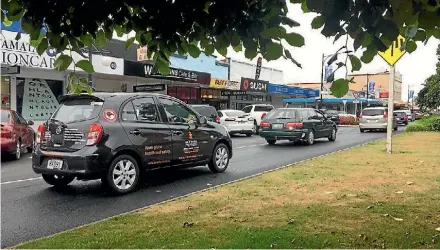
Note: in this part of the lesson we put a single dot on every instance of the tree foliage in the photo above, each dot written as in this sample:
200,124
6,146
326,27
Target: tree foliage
429,95
253,26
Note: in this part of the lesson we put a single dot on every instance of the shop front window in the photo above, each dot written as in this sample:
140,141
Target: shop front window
37,99
6,92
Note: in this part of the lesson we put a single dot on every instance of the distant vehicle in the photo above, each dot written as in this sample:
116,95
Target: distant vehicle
375,118
208,111
418,115
332,115
118,136
409,114
258,112
297,124
237,122
401,117
17,135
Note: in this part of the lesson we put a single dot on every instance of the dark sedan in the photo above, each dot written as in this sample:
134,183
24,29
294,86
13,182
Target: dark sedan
332,115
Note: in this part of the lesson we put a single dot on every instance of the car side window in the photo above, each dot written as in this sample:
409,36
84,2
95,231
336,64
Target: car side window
220,114
22,120
247,109
177,112
15,118
145,109
321,116
128,112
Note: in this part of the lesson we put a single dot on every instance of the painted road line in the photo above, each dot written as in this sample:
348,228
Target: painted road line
23,180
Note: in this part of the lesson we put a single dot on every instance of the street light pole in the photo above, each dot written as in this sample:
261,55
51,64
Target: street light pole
368,88
90,76
322,80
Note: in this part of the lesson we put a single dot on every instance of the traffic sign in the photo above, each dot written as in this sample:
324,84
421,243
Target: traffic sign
394,52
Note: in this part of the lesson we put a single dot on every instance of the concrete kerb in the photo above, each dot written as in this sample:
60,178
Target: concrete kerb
204,190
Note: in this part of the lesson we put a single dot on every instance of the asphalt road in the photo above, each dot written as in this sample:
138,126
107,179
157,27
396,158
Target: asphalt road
31,209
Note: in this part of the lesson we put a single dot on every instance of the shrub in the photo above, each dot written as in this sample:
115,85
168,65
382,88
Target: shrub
348,120
430,123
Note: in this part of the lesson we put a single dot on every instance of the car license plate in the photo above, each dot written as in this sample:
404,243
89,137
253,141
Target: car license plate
372,121
54,164
277,126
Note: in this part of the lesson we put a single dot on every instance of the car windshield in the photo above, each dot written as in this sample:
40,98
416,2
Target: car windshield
205,110
77,110
281,114
235,113
263,108
6,115
372,112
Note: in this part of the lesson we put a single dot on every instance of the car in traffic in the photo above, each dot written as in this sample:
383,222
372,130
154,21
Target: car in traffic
418,115
375,118
208,111
401,117
116,137
297,124
17,135
258,112
237,122
332,115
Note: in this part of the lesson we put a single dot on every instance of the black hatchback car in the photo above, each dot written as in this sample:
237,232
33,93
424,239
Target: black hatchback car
115,136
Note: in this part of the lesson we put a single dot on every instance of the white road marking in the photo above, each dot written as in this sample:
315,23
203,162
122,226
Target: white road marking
23,180
249,146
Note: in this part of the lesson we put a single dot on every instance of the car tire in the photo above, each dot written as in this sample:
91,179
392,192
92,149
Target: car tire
257,128
123,170
362,130
396,128
219,161
332,137
310,138
271,142
249,134
29,149
18,150
57,181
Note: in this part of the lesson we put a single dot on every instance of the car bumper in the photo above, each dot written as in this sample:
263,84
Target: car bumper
240,128
284,135
8,145
83,166
373,126
402,121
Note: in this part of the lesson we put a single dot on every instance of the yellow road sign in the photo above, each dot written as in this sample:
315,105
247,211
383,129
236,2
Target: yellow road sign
394,53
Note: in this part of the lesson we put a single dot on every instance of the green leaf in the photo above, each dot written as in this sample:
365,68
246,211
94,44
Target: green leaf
420,36
6,21
289,56
235,40
290,22
163,67
318,22
273,32
304,7
100,40
295,39
223,51
85,65
15,11
339,88
355,63
42,46
411,46
273,51
87,39
119,30
37,41
368,56
129,42
209,49
251,50
238,48
62,62
193,50
27,27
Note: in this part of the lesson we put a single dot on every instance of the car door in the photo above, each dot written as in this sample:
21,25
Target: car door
19,128
189,145
147,131
315,123
326,124
28,132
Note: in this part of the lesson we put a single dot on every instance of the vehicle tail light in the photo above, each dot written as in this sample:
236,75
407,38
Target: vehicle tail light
294,125
230,119
385,115
265,125
6,131
263,115
40,134
217,119
95,134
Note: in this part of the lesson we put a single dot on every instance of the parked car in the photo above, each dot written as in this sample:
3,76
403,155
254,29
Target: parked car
257,112
17,134
237,122
332,115
409,114
375,118
297,124
116,136
401,117
418,115
208,111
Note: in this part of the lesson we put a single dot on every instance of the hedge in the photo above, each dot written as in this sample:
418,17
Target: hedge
430,123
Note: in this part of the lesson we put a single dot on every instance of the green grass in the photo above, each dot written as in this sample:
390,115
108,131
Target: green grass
430,123
337,201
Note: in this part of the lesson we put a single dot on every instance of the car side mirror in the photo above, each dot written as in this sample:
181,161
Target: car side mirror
30,123
203,120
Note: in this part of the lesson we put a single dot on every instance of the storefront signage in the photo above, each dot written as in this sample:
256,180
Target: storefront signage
39,102
233,93
218,83
149,88
258,71
22,53
141,54
253,85
278,89
234,85
10,70
384,94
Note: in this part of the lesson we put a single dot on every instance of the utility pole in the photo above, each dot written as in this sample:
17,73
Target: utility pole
89,75
390,124
322,81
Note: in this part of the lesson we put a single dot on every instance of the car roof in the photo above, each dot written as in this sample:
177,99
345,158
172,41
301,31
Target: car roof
106,95
227,110
375,108
294,109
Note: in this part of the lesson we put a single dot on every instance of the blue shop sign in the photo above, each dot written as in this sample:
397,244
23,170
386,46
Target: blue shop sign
277,89
16,26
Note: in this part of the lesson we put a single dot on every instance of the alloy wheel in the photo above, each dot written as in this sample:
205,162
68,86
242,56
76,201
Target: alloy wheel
221,157
311,138
124,174
18,150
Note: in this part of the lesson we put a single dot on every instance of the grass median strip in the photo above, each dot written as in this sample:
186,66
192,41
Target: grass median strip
359,198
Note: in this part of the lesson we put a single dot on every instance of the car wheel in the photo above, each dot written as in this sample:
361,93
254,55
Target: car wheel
122,176
219,159
249,134
29,149
17,153
256,128
395,128
362,130
310,138
57,181
271,142
332,137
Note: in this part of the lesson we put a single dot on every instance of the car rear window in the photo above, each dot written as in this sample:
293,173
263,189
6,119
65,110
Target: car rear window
372,112
281,113
331,112
399,113
263,108
77,110
235,113
205,110
6,116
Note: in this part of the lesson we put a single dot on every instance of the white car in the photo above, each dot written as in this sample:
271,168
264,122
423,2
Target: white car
258,112
237,122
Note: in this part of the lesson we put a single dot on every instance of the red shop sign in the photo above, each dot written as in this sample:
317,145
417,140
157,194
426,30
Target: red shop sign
384,94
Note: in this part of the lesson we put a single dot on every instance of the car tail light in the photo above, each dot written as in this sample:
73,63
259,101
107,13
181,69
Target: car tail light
294,125
40,134
95,134
263,115
385,115
230,119
405,117
6,131
265,125
217,119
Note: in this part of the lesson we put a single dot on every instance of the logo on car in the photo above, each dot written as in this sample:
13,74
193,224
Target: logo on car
58,130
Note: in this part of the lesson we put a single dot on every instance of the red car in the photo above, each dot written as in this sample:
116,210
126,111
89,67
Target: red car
16,134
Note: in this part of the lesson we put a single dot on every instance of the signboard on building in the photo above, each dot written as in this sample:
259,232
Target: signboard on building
22,53
218,83
278,89
253,85
141,54
384,95
39,102
232,93
149,88
234,85
258,70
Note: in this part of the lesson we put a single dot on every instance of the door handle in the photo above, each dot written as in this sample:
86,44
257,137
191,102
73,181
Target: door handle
135,132
177,133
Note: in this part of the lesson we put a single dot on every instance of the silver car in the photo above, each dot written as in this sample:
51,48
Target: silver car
375,119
